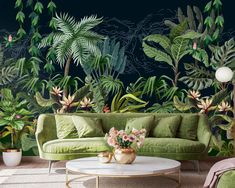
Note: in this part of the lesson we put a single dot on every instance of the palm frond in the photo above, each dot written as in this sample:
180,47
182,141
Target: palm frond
66,24
63,51
88,23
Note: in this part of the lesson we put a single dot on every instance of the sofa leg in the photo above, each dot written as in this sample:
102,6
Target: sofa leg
196,165
50,166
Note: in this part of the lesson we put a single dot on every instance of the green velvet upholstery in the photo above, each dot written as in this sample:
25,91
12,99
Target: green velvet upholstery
79,145
65,127
167,127
88,127
188,127
140,123
227,180
52,148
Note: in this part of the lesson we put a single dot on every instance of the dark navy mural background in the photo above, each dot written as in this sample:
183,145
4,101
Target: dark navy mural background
126,21
176,75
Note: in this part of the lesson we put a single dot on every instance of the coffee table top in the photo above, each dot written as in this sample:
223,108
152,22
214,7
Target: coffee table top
142,166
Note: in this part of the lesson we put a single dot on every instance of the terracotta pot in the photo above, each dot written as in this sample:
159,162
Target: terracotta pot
125,155
12,157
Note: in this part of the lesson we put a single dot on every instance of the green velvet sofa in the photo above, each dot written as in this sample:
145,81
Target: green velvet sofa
53,149
227,180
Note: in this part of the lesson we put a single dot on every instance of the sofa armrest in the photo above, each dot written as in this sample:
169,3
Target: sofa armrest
46,130
203,132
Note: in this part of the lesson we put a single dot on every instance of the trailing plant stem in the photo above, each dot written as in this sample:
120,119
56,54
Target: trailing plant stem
66,73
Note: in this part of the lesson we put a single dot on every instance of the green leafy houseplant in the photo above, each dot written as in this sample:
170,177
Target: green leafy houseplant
14,118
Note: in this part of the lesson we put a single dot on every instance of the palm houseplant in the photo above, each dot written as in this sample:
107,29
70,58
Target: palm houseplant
14,126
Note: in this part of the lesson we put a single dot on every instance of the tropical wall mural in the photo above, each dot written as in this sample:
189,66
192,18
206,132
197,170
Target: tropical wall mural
165,62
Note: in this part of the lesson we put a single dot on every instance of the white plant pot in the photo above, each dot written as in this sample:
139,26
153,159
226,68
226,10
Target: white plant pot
12,157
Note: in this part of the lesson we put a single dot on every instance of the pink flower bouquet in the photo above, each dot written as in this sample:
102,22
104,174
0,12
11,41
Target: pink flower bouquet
121,139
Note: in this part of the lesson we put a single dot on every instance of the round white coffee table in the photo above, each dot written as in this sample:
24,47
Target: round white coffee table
142,167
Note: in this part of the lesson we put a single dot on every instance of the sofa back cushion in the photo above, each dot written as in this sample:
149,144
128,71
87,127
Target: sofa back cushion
88,126
65,127
140,123
119,120
167,127
188,127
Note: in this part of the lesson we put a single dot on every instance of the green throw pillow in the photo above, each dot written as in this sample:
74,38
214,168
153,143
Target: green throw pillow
65,127
188,127
140,123
88,127
167,127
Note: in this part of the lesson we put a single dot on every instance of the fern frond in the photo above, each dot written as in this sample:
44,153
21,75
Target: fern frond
8,75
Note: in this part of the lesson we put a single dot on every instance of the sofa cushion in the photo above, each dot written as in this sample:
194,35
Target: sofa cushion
172,145
79,145
65,127
166,127
188,127
88,126
140,123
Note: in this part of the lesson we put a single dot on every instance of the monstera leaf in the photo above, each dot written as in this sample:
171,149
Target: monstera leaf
224,55
197,78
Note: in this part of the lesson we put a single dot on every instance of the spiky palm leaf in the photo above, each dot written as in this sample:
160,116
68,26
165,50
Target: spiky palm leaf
8,71
149,87
73,38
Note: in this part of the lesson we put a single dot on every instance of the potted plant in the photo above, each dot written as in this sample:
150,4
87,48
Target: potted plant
125,144
14,120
